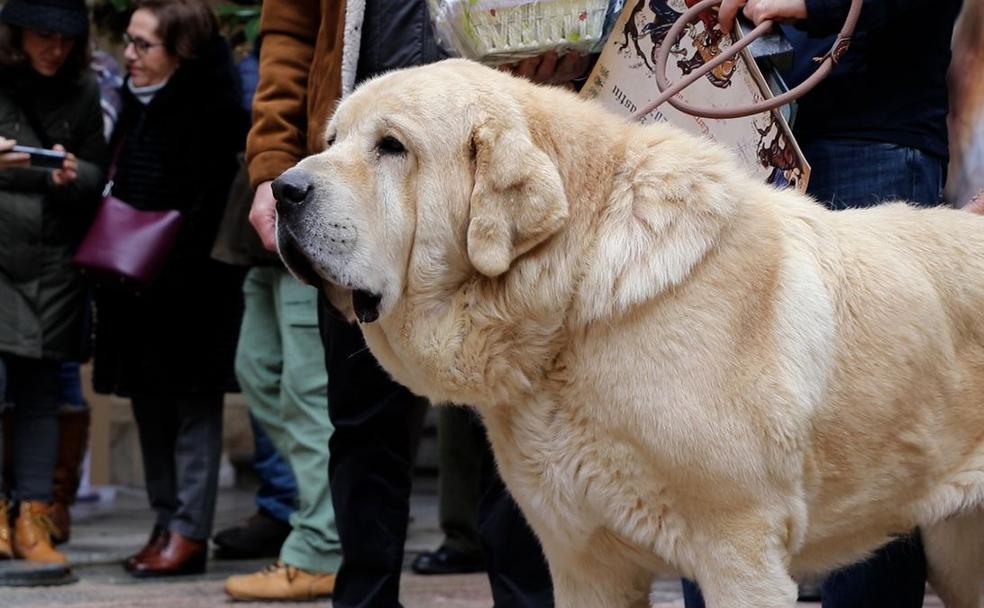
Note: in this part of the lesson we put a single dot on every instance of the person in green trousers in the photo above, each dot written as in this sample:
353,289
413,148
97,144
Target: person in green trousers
281,369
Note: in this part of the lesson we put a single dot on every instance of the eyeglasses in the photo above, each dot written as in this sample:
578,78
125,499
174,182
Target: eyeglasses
139,44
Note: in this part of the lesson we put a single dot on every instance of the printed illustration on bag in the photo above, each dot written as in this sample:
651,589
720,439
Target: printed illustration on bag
623,79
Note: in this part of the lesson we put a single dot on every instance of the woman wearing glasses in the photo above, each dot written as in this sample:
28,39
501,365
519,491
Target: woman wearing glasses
169,347
48,99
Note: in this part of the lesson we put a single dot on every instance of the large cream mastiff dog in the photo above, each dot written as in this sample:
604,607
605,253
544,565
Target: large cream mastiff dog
675,362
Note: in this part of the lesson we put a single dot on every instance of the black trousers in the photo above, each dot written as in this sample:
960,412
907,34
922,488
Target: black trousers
181,445
459,489
377,424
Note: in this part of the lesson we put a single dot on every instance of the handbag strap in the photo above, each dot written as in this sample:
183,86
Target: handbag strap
111,171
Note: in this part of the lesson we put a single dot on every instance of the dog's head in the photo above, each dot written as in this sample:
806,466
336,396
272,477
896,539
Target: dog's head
429,175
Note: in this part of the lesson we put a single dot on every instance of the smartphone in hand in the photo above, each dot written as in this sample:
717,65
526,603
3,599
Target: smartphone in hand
42,157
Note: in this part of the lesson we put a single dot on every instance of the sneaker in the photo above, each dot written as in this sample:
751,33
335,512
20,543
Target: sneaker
281,582
259,536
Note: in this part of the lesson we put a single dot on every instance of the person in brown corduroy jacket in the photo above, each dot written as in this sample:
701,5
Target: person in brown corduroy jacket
306,65
301,80
280,360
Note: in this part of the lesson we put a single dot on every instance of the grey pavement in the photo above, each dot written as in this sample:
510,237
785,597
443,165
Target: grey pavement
107,531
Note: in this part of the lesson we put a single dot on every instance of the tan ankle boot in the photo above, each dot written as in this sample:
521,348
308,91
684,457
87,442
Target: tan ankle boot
280,582
32,534
6,551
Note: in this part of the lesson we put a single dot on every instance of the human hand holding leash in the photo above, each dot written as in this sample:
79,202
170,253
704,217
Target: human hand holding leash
760,10
263,215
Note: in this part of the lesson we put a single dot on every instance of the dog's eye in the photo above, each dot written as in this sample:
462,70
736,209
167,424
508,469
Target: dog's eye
390,145
330,142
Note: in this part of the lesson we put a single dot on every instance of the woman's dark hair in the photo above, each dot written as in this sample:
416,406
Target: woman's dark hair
183,25
12,51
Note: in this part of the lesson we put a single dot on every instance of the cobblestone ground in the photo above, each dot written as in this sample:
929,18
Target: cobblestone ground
106,532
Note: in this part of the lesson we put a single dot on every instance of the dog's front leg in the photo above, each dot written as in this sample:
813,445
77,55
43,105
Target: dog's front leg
748,589
596,579
747,569
955,557
597,589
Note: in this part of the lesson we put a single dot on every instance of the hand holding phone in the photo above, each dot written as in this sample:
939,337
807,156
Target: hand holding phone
69,170
9,158
43,158
64,164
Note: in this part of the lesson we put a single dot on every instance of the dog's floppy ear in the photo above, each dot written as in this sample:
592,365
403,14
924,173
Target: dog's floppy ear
518,200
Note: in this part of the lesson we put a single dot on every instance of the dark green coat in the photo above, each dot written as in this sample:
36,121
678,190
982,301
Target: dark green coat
42,301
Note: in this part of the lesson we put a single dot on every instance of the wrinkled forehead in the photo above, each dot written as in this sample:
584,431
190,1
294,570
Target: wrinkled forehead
372,106
440,101
370,114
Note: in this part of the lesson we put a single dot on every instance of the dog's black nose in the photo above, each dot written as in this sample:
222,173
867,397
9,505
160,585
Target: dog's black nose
292,189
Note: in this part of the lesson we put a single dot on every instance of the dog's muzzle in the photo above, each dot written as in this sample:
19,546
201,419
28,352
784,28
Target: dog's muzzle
293,190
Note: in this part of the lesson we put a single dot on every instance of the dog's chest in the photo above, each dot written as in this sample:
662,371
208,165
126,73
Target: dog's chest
573,478
541,465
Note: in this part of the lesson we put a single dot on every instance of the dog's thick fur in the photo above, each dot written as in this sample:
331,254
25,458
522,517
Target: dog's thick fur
674,362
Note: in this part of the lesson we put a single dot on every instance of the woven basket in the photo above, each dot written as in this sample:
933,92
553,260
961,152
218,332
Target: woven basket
497,31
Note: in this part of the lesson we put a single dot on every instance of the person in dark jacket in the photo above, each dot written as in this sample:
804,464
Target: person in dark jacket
874,131
48,99
170,347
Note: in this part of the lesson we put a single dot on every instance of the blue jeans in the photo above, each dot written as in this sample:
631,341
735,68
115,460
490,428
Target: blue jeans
278,489
853,173
70,383
850,174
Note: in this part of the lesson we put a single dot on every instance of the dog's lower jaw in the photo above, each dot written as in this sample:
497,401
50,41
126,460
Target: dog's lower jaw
339,301
295,260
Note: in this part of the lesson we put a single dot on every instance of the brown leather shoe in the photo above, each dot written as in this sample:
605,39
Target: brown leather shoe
155,544
281,582
32,534
73,438
179,556
6,550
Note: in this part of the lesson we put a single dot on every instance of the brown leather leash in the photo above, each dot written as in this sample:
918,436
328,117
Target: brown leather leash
668,92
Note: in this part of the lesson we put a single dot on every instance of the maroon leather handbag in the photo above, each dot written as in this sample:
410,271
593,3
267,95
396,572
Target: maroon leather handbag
127,244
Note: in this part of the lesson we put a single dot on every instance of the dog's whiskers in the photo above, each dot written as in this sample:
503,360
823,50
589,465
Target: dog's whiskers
358,352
